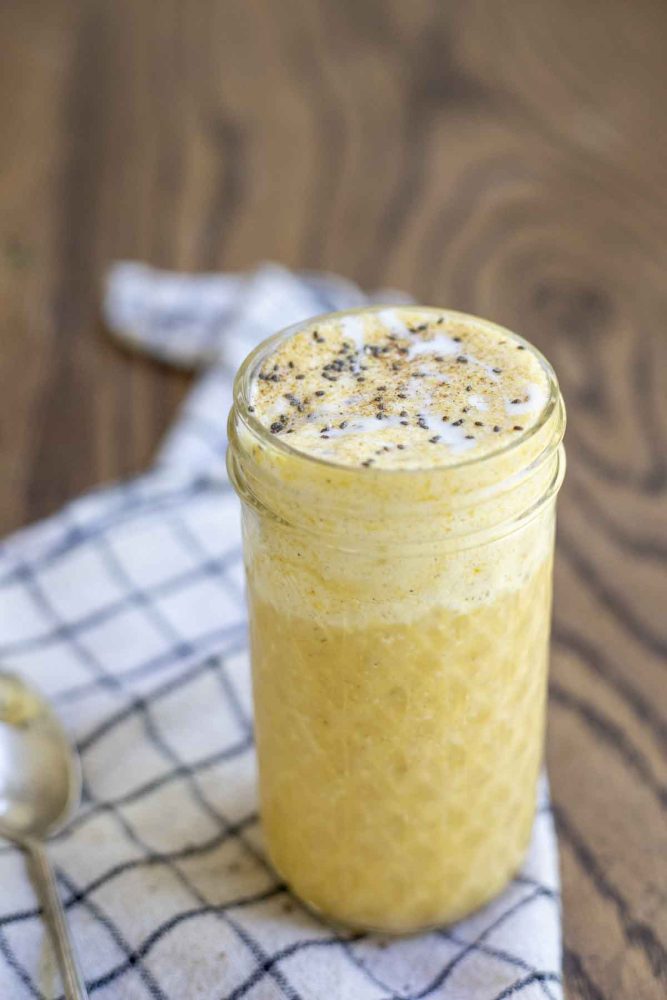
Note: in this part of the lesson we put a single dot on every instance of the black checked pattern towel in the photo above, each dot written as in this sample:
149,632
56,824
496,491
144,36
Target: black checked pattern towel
127,610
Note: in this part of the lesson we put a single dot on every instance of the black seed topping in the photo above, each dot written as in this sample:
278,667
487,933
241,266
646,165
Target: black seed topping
343,358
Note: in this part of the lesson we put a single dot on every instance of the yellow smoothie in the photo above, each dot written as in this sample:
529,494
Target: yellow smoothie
399,469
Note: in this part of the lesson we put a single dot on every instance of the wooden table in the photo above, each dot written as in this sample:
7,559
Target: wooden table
502,158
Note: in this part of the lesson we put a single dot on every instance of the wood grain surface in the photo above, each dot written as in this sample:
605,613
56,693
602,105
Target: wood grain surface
505,158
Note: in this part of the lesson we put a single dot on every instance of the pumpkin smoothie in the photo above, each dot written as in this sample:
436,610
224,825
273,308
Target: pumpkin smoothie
399,468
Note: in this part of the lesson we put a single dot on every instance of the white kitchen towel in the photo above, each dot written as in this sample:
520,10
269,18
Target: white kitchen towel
127,609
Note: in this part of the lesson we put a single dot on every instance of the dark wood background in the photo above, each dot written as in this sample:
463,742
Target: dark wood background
506,158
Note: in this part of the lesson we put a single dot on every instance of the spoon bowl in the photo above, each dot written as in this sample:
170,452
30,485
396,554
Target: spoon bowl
40,788
40,775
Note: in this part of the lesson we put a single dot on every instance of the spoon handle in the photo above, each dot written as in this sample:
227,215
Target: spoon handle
73,982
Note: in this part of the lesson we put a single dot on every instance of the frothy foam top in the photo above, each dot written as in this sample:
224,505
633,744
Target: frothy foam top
400,387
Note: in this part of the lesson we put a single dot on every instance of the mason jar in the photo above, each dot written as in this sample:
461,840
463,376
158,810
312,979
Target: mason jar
399,623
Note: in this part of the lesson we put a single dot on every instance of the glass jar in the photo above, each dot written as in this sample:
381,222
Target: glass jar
399,625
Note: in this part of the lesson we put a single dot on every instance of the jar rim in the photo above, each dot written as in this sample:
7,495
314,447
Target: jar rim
246,373
476,482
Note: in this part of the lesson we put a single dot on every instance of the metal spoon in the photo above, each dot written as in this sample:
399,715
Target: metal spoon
40,788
